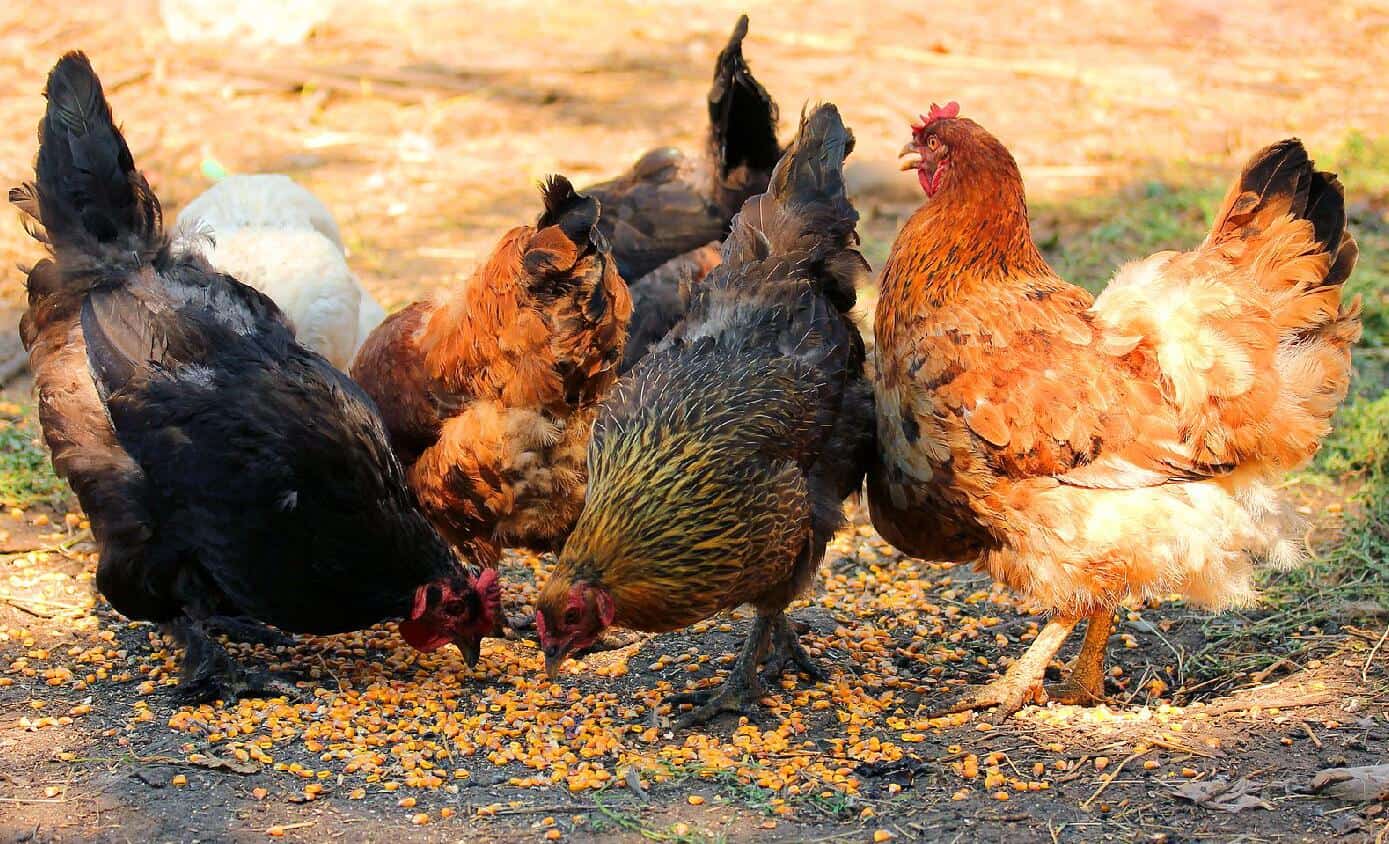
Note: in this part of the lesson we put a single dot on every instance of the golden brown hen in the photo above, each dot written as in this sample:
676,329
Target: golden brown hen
720,463
488,392
1089,451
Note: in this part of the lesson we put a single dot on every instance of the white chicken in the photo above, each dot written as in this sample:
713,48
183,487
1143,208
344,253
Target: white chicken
273,234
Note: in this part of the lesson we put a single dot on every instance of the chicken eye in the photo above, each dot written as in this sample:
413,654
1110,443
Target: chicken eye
456,608
933,143
571,616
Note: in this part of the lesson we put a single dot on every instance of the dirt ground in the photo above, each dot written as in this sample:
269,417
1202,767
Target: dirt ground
425,127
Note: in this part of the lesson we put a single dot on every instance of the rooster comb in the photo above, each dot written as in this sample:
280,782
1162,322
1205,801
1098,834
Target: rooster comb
948,111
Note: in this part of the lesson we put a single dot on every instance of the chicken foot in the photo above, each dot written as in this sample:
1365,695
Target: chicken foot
1022,682
786,648
1084,685
741,691
209,673
246,629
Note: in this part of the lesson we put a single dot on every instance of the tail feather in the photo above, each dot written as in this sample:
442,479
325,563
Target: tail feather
87,195
1285,222
806,208
1326,208
742,125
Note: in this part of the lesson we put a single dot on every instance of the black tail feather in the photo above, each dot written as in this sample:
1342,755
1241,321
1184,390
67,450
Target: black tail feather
1282,179
742,122
87,195
1326,209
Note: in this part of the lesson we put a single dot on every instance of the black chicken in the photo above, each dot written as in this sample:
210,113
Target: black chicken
227,471
669,204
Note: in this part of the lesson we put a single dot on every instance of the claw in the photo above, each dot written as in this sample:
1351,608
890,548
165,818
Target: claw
209,672
1022,683
248,630
740,693
732,698
787,648
1004,697
231,685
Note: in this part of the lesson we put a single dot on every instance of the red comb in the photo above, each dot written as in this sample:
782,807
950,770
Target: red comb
949,111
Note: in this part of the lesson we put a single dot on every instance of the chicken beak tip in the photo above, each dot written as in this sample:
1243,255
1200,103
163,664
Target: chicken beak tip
552,664
909,158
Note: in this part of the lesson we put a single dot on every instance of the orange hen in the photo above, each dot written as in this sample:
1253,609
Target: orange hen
1087,451
489,392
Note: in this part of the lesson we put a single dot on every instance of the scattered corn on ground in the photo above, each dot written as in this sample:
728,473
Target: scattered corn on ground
436,738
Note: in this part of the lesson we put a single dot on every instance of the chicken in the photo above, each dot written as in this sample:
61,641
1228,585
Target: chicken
228,472
489,392
1087,452
271,233
720,464
660,297
670,204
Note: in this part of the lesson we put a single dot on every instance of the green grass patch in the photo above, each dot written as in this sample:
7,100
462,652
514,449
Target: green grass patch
1360,442
1087,239
26,475
612,818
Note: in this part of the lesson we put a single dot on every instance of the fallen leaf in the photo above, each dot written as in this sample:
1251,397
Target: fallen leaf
1222,795
1361,784
230,763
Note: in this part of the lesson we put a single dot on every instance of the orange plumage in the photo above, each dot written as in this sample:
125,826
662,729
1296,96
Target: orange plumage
1087,451
489,392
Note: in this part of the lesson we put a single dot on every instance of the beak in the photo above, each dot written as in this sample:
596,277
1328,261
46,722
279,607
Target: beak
552,663
909,158
471,649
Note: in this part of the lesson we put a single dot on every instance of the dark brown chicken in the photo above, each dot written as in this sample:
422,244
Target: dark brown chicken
670,204
230,474
1087,451
721,462
489,391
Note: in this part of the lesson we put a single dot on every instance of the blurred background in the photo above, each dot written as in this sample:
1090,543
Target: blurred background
424,125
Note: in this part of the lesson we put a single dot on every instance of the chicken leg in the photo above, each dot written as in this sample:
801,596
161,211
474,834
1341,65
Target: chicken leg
246,629
209,673
1023,679
1085,683
786,648
743,687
